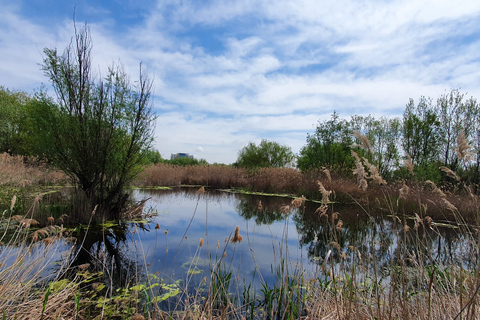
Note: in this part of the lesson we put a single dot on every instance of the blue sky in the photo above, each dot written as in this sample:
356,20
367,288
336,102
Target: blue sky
230,72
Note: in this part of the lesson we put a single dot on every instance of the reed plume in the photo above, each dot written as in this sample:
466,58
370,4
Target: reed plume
325,193
463,148
364,140
435,188
450,173
259,205
327,173
298,202
374,174
404,191
359,171
236,236
409,164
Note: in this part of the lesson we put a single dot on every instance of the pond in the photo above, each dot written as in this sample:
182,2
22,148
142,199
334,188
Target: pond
187,245
184,249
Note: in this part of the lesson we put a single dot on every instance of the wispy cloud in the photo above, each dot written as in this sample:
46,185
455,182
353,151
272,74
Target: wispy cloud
229,72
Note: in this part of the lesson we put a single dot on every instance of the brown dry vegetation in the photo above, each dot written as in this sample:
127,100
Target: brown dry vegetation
375,193
18,171
267,180
356,286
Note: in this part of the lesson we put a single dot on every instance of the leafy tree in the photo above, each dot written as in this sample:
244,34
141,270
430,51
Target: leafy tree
98,131
456,115
187,161
329,146
266,154
421,129
384,136
14,129
152,157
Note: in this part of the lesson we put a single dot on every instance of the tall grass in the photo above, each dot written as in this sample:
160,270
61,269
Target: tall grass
21,171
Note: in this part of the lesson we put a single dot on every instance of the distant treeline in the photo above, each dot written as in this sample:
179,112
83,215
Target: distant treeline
431,134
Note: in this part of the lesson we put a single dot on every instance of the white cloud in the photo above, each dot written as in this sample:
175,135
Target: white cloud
276,66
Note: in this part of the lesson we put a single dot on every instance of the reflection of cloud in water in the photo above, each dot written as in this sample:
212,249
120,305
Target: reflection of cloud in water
265,232
215,220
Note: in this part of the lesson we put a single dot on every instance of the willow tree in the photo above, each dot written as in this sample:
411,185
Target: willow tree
97,131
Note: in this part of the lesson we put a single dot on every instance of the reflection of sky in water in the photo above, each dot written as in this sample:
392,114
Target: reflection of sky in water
270,239
214,220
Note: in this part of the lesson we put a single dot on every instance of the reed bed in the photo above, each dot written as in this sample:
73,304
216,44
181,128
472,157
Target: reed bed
20,171
266,180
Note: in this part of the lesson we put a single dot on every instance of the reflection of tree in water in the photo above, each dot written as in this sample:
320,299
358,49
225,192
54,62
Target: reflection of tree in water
248,207
373,235
106,250
378,237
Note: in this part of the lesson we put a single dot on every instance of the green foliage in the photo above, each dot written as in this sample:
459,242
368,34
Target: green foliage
266,154
420,132
152,157
328,147
186,161
96,132
14,125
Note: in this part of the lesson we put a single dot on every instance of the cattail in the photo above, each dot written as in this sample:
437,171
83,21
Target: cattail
157,226
450,173
166,231
236,236
325,193
463,148
201,242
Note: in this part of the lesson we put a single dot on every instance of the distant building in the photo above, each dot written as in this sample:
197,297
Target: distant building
180,155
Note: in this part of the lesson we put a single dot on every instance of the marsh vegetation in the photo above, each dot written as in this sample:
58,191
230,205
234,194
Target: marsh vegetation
373,219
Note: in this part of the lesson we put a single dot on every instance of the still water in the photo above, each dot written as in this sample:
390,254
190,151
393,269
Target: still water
167,246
